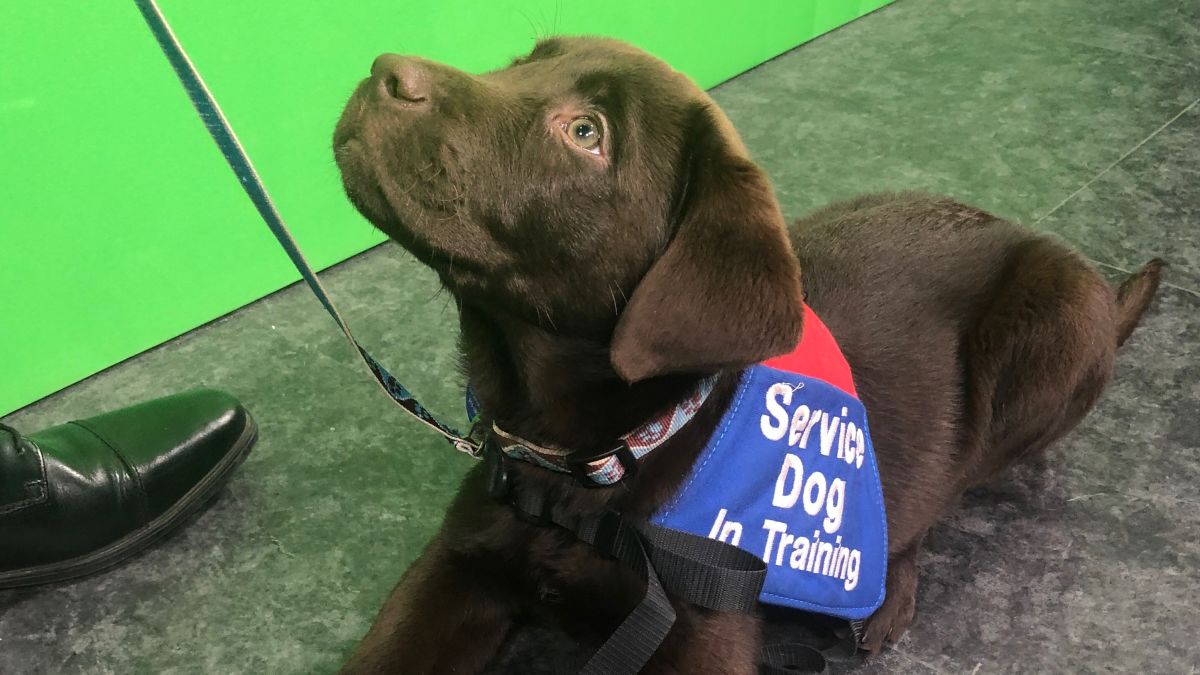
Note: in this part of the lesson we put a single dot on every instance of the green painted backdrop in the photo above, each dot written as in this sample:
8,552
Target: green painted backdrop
121,226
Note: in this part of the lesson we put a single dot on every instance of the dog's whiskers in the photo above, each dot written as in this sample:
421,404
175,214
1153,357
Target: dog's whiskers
438,291
417,178
541,310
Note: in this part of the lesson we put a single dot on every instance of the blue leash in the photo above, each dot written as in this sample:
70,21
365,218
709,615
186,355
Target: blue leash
218,127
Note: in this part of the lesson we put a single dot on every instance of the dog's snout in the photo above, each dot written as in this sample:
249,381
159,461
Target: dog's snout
401,79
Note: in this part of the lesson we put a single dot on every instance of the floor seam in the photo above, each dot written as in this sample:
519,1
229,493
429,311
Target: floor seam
1179,288
1165,284
1124,52
1120,159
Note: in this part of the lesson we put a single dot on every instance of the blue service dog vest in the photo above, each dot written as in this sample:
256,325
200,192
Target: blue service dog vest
789,475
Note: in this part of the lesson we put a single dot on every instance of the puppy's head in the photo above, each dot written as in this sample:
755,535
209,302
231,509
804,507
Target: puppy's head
586,187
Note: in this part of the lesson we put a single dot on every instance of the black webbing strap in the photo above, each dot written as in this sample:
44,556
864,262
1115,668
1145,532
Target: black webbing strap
726,578
791,658
699,570
637,638
705,571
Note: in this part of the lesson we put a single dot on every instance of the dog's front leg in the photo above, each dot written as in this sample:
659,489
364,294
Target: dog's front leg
440,618
894,617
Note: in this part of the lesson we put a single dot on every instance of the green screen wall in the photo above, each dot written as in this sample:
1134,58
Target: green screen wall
121,226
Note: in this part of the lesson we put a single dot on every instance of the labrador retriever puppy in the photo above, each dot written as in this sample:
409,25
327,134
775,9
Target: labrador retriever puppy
609,243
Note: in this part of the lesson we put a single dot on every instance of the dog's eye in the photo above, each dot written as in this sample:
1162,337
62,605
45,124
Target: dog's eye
585,132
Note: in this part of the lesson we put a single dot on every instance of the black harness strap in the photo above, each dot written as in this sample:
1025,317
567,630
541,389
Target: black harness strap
705,571
630,647
698,570
788,659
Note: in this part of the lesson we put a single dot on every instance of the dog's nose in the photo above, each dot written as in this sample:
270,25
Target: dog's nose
402,79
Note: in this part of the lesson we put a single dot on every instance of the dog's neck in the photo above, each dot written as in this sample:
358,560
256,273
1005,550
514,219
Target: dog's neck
556,390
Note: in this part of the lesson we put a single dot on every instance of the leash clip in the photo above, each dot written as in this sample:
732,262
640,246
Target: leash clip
475,443
468,448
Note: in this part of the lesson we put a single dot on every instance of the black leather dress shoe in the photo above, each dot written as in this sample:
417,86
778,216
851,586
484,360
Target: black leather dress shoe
81,497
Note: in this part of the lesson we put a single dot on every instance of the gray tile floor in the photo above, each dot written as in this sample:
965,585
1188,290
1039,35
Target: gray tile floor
1074,116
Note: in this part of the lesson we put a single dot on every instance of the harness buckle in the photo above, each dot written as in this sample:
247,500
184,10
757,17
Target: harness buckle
577,463
499,486
529,507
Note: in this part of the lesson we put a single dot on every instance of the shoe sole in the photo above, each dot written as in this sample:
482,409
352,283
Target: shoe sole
141,538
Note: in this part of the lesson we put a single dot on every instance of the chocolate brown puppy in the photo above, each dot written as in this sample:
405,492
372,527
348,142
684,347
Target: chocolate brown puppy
610,243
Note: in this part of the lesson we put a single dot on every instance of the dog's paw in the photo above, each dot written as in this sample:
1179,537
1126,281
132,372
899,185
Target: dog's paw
889,622
894,617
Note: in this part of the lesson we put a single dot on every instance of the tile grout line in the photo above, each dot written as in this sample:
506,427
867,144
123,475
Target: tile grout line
1120,159
1167,284
1123,52
1179,288
1112,267
1108,168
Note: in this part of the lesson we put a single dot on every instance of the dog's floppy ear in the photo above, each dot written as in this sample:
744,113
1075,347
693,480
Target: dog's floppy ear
726,292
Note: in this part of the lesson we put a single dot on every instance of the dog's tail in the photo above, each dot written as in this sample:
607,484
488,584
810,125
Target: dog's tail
1134,295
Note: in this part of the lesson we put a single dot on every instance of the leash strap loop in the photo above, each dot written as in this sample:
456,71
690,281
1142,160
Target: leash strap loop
705,571
231,148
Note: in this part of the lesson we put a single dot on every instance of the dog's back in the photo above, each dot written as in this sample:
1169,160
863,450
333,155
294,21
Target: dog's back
1007,337
994,346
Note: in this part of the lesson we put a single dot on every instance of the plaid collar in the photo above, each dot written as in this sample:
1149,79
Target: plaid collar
607,467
